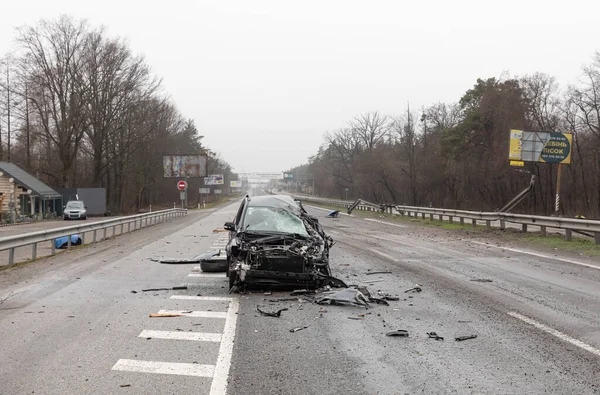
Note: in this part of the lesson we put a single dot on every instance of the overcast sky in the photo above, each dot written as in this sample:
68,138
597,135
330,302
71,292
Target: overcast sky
265,79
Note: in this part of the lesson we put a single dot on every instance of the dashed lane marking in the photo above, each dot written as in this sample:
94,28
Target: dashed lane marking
538,255
177,335
221,371
198,314
219,275
201,298
182,369
384,222
556,333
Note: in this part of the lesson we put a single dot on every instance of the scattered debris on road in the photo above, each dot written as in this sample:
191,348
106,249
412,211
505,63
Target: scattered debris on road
333,214
165,289
398,333
462,338
270,314
154,315
379,301
414,289
372,281
384,272
125,385
133,292
344,297
284,300
219,230
463,322
433,335
303,292
294,330
482,280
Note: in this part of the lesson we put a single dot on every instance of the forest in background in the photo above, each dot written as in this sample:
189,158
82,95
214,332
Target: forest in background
455,155
79,109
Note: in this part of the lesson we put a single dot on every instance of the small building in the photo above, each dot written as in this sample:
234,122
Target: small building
23,194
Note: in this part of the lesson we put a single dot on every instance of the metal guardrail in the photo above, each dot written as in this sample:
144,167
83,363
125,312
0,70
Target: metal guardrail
569,225
32,239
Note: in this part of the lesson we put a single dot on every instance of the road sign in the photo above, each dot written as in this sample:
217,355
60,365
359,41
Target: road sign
218,191
182,185
548,147
204,191
182,195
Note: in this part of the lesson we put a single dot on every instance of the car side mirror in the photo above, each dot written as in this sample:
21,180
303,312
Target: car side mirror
230,226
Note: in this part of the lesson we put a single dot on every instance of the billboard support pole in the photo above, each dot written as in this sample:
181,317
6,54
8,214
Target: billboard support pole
557,201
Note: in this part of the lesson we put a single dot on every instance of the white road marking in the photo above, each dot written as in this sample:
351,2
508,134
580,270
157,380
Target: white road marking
384,222
182,369
538,255
383,254
197,314
206,298
177,335
220,275
556,333
221,372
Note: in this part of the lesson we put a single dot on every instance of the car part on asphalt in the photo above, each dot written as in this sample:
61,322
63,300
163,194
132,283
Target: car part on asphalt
165,289
333,214
414,289
271,314
398,333
275,242
433,335
167,315
379,301
344,297
482,280
384,272
461,338
294,330
283,300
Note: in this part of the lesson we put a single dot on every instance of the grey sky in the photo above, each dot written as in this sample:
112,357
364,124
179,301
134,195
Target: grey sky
265,79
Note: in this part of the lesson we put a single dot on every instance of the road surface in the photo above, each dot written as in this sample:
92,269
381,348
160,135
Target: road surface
73,324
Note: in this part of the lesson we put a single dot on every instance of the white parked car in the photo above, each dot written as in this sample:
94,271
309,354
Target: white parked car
75,209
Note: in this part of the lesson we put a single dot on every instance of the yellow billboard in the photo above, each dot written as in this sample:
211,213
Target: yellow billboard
546,147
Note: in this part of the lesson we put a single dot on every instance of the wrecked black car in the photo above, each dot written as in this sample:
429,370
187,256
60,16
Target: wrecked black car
274,242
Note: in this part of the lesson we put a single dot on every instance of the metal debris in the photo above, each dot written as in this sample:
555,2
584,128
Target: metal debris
379,301
333,214
414,289
270,314
302,292
384,272
152,315
482,280
294,330
433,335
398,333
461,338
372,281
165,289
344,297
284,300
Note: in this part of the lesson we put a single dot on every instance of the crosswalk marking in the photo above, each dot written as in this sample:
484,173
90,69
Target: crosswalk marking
207,298
182,369
220,275
178,335
198,314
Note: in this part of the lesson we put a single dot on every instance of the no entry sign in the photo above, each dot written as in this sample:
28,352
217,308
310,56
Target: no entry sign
182,185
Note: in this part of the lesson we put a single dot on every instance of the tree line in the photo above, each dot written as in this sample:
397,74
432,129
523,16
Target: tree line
455,155
79,109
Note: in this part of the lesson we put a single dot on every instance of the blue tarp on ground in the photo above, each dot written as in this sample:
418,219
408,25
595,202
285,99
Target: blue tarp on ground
62,242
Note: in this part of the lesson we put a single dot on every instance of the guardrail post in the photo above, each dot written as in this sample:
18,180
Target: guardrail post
450,219
431,217
441,217
114,230
597,237
121,229
11,256
423,215
462,221
53,247
488,224
502,224
68,241
33,251
135,224
95,231
543,231
104,233
474,223
524,228
83,238
568,234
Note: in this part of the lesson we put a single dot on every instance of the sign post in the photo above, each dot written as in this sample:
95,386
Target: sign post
182,187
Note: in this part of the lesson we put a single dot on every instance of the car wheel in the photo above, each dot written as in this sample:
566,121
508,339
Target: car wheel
84,218
227,271
65,218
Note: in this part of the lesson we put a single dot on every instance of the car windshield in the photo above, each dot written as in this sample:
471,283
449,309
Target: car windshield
75,205
273,219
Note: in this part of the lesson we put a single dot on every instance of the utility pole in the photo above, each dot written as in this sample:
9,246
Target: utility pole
27,127
8,108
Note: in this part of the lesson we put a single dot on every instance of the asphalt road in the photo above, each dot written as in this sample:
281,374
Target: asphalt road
74,326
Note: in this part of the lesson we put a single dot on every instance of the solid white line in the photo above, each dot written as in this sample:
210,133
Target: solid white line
220,275
177,335
198,314
538,255
207,298
182,369
221,372
384,222
554,332
383,254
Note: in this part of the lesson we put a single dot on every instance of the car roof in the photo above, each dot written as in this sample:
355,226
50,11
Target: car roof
272,201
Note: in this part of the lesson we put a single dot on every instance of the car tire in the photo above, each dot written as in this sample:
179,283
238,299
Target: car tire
227,271
65,218
84,218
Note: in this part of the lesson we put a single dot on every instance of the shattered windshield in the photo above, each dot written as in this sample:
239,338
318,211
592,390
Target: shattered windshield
273,219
